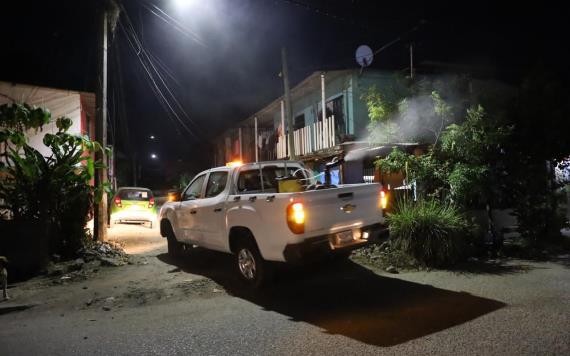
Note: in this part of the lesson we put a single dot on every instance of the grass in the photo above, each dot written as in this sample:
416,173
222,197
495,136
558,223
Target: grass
431,232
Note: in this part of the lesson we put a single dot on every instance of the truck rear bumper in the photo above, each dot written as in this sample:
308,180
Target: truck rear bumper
318,247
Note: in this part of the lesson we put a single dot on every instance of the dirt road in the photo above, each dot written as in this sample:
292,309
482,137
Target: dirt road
194,305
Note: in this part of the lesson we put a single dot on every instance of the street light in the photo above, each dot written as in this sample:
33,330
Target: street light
152,137
153,156
183,4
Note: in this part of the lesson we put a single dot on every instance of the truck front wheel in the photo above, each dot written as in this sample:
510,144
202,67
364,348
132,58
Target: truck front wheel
175,248
252,268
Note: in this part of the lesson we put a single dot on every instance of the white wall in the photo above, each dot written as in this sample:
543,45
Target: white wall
58,102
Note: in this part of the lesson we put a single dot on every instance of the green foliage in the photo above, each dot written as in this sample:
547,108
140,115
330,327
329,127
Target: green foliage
381,110
477,139
540,115
431,232
22,117
430,174
535,201
54,190
441,107
501,156
464,166
380,105
467,184
396,118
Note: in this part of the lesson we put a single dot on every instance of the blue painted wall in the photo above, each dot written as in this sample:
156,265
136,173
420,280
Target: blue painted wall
351,86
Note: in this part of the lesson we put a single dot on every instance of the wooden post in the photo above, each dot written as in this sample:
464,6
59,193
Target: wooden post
288,109
256,143
240,146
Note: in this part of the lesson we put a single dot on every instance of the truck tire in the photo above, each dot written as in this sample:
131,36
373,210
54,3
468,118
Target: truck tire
253,270
175,248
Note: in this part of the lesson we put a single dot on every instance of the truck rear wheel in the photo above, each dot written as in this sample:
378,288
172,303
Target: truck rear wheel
251,267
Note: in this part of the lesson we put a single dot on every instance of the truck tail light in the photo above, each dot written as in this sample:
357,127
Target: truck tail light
296,217
383,199
151,202
118,202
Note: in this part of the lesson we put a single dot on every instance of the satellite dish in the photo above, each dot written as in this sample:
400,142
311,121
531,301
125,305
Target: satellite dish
364,56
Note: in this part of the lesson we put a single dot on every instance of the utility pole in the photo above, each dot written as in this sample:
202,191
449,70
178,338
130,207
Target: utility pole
323,99
101,178
256,139
411,61
134,167
288,110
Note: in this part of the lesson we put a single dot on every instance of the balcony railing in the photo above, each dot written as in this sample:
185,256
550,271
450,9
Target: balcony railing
309,139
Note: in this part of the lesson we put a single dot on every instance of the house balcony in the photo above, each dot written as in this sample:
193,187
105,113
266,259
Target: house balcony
310,140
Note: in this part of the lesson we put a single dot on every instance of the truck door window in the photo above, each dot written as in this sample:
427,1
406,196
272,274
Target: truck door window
249,182
194,190
216,183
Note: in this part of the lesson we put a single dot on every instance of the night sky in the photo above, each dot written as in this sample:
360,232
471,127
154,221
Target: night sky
220,59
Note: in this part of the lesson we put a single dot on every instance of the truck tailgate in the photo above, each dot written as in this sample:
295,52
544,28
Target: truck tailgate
343,208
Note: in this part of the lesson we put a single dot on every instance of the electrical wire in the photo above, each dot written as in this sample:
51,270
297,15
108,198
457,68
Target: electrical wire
335,17
121,115
145,52
156,91
154,87
151,68
174,23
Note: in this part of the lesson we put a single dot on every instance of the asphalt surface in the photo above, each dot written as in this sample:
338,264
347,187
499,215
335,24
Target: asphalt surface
195,305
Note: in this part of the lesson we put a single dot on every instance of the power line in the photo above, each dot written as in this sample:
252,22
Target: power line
321,12
140,49
146,53
156,90
174,23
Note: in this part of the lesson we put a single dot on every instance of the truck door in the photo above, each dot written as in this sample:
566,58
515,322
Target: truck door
211,212
188,208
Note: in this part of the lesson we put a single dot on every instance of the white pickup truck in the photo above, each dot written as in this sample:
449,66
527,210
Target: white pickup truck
240,210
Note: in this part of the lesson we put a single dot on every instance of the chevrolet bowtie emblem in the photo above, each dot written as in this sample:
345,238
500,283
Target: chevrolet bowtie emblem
348,208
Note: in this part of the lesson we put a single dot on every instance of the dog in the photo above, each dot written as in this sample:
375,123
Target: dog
4,276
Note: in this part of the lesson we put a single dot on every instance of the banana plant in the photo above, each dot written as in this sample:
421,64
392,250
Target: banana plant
55,190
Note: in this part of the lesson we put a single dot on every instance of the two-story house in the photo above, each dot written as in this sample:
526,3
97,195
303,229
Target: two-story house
317,137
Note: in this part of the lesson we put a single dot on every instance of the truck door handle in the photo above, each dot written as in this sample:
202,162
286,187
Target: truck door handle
270,198
217,210
237,198
193,212
348,208
252,199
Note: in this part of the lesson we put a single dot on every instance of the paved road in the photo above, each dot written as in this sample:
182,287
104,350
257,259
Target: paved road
191,306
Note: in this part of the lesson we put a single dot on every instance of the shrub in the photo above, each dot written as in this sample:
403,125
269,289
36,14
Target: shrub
430,231
53,192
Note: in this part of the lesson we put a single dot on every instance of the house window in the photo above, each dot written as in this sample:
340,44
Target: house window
335,107
299,122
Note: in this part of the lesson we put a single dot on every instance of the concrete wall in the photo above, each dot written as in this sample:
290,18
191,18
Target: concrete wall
58,102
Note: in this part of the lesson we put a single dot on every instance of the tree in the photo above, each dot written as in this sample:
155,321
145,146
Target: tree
540,115
465,163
